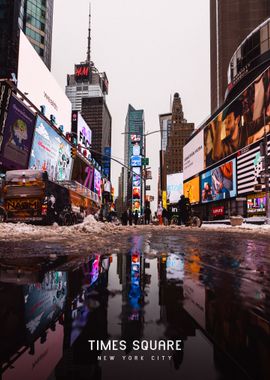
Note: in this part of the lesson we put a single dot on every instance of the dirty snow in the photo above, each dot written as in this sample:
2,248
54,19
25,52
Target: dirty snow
10,231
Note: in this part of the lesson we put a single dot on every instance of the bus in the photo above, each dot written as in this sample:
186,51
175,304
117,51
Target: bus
29,196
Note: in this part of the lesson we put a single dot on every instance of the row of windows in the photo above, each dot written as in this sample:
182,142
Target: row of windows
39,50
38,13
36,36
35,22
257,44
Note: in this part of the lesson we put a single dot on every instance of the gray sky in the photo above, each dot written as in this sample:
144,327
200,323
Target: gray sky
149,49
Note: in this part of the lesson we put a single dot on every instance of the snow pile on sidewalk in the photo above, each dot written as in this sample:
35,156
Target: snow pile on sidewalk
12,231
264,228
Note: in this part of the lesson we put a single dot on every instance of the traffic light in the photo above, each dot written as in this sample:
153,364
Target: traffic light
73,152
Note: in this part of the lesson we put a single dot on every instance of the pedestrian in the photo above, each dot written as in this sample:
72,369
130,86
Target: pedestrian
169,214
159,214
147,215
183,210
135,217
124,218
130,217
165,216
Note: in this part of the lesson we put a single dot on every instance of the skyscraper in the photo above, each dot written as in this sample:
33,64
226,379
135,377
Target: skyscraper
134,146
87,89
230,22
35,18
177,138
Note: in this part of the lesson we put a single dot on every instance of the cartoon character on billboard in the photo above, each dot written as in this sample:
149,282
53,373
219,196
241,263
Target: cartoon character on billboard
63,162
18,134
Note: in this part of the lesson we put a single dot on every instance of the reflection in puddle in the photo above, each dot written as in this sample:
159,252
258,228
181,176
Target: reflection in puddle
145,296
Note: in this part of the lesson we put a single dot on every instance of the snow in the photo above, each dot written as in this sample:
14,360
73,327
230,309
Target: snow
12,231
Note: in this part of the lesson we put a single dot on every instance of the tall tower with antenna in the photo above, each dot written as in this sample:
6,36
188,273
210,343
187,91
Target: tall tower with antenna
87,89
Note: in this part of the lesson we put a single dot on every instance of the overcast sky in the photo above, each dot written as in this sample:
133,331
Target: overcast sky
149,49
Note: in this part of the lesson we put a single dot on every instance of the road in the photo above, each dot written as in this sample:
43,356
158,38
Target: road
207,290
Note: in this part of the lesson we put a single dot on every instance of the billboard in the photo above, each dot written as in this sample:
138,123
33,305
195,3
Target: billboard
193,156
219,182
97,182
17,136
249,165
241,123
82,130
192,190
50,152
174,187
83,173
82,72
256,204
107,161
39,85
135,161
136,189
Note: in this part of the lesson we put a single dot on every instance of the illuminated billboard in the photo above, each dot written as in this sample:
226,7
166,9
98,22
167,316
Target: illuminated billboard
241,123
82,72
193,156
192,190
50,152
219,182
82,130
135,161
39,85
174,187
97,182
15,146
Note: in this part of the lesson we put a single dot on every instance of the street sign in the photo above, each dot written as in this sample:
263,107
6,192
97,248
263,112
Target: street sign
257,188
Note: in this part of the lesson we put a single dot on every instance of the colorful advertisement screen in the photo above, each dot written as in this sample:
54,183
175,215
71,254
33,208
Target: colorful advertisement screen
174,187
97,182
83,173
192,190
219,183
240,124
50,152
17,136
256,204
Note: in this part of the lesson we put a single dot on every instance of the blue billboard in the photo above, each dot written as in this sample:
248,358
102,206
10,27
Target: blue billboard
219,183
136,161
50,152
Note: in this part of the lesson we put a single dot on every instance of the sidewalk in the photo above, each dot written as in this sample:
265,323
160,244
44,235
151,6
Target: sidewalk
253,220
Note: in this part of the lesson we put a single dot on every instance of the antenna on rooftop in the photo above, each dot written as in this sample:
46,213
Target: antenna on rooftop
89,37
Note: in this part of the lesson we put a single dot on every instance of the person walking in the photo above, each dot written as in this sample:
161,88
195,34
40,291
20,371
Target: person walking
182,211
165,216
130,217
147,215
124,218
135,217
159,214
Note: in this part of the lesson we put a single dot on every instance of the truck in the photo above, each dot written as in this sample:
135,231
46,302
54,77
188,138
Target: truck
30,196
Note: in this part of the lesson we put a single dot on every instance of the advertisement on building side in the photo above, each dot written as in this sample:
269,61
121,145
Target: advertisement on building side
50,152
135,161
256,204
219,183
249,167
193,156
136,189
83,173
97,182
242,123
192,190
174,187
17,136
107,161
41,88
218,211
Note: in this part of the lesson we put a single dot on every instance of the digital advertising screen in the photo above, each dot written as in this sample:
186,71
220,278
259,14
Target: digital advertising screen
219,183
174,187
192,190
50,152
243,122
17,136
97,182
